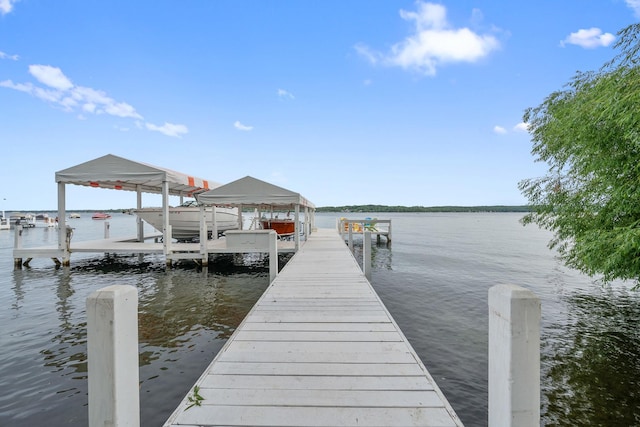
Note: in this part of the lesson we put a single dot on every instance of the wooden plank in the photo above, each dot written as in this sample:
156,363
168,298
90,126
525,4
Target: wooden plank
317,317
319,326
317,369
314,416
306,382
328,398
322,336
322,357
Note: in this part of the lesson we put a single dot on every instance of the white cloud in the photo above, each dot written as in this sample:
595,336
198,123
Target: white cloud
121,109
7,56
168,129
240,126
589,39
499,130
63,92
285,94
50,76
6,6
59,90
434,42
635,5
521,127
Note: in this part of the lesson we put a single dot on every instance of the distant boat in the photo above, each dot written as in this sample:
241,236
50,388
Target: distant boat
100,215
185,219
4,222
25,220
74,215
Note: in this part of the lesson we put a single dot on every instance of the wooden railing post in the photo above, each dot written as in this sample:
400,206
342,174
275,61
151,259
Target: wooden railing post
514,357
112,355
366,255
273,256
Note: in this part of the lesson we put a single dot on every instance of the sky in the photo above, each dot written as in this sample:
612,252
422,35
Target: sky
346,102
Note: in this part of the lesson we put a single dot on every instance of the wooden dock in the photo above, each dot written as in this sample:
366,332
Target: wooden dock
198,252
318,349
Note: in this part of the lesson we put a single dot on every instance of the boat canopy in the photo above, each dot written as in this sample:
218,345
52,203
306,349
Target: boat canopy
113,172
249,191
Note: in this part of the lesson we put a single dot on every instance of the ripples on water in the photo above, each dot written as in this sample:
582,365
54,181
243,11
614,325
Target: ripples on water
434,280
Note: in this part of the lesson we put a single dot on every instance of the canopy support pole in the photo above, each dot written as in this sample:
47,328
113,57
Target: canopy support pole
166,231
296,228
139,222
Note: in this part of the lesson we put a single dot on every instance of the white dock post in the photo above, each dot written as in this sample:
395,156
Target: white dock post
366,255
112,354
214,226
17,237
17,244
204,236
139,222
514,357
273,256
106,229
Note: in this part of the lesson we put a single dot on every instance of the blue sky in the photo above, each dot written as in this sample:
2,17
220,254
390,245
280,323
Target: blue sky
346,102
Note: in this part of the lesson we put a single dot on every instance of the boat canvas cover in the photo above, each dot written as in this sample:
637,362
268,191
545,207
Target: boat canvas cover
113,172
251,191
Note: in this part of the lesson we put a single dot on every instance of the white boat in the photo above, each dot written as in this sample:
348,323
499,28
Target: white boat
185,219
25,220
4,222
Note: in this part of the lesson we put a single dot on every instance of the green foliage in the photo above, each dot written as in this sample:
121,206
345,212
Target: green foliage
194,399
589,135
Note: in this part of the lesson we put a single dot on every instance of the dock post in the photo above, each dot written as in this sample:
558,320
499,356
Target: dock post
514,357
366,255
66,256
350,226
273,256
166,242
389,234
112,355
106,229
204,236
17,244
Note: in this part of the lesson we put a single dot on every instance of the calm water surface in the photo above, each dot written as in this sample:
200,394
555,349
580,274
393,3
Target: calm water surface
434,280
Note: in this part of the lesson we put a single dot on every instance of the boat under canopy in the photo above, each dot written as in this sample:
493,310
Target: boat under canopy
117,173
249,192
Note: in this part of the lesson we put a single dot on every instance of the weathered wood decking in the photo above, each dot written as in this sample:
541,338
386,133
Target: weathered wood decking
318,349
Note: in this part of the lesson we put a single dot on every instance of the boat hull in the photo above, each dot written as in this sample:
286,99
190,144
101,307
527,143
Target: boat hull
185,221
100,216
280,226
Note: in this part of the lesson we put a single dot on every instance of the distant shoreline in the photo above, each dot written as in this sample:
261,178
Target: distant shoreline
351,208
384,208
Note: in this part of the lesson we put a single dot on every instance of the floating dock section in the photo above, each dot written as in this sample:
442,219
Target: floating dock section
318,349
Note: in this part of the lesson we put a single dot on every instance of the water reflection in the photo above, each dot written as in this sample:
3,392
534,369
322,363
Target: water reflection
18,291
591,368
185,314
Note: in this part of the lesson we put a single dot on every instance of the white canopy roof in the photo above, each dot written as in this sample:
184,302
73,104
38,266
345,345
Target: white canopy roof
118,173
252,191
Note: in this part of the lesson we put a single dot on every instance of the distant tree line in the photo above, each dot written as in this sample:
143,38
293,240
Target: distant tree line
385,208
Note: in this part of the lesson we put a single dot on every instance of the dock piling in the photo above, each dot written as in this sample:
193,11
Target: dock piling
112,355
17,244
514,357
366,255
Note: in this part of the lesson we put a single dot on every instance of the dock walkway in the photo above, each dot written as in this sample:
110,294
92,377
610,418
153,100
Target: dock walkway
318,349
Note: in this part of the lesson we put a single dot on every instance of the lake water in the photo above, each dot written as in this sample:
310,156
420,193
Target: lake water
434,280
